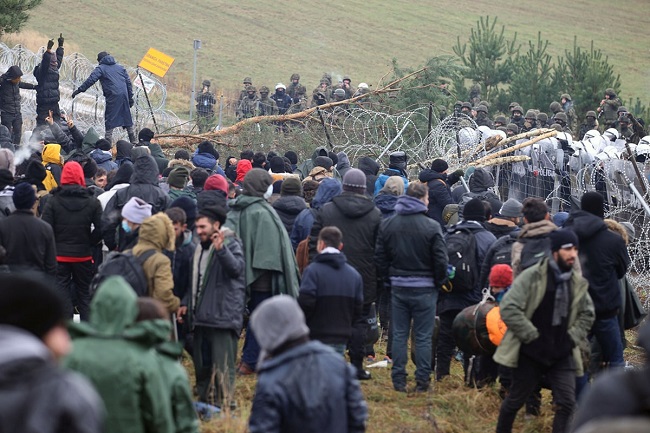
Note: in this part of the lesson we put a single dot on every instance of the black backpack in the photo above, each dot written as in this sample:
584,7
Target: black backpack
534,250
503,251
126,265
462,253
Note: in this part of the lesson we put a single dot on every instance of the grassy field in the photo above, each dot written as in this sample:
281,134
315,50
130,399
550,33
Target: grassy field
271,40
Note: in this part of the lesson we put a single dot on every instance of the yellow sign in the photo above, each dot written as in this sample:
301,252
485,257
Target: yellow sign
156,62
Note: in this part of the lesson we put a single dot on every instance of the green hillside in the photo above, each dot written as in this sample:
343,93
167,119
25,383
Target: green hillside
270,40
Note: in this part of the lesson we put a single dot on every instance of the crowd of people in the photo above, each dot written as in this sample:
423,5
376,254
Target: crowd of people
148,255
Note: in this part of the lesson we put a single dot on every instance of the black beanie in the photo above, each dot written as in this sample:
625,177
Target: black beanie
24,196
256,182
292,156
593,203
474,210
103,144
145,134
30,303
90,168
563,238
439,165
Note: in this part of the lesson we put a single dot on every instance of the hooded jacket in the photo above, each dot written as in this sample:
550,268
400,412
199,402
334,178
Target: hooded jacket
328,189
604,260
439,193
479,182
116,87
38,396
207,161
381,180
267,247
123,152
288,207
410,244
10,92
157,233
144,185
290,389
104,160
308,165
370,168
115,354
71,210
52,161
243,167
219,301
47,76
343,166
358,219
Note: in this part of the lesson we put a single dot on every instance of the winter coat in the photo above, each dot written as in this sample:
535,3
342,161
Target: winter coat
71,211
410,244
308,164
386,204
38,396
157,233
211,198
479,183
10,92
104,160
518,307
220,300
288,207
5,139
307,388
29,242
604,260
301,230
381,180
500,227
53,163
536,230
331,296
343,166
358,219
370,168
116,87
450,301
207,161
439,193
181,260
267,247
68,141
116,355
144,185
47,76
177,193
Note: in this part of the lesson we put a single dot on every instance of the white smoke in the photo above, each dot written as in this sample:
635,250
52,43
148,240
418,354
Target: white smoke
28,147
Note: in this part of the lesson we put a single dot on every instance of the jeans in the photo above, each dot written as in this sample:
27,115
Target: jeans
526,377
251,351
81,274
219,370
338,348
608,334
14,123
130,131
419,305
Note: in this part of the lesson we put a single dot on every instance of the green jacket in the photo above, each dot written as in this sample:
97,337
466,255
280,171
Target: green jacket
177,385
266,244
519,305
121,365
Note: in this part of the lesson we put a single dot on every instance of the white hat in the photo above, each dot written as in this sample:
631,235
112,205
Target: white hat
280,86
363,85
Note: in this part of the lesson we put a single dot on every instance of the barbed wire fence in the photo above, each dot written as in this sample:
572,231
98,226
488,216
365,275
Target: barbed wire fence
87,109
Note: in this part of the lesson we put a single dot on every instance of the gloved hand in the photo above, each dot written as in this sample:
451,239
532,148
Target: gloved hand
75,93
460,173
131,102
50,44
60,40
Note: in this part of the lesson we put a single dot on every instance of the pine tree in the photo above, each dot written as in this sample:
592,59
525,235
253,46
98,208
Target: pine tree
13,14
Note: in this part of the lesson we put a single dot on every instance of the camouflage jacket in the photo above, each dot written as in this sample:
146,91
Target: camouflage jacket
267,107
248,107
205,103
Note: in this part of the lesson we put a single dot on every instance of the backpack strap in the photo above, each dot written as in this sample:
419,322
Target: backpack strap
142,258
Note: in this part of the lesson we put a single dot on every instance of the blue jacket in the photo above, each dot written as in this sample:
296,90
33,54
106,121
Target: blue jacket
116,86
308,388
381,180
328,189
208,162
386,204
104,160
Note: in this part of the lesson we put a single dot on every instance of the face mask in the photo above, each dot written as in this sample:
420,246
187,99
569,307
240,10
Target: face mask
126,227
268,193
499,296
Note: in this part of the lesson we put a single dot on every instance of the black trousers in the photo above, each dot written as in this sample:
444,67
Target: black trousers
14,123
73,280
526,378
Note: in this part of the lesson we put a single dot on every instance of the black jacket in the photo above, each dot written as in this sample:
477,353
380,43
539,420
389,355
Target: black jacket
38,396
604,260
410,244
439,193
288,207
29,242
370,168
70,211
181,260
10,93
358,219
144,185
331,296
47,76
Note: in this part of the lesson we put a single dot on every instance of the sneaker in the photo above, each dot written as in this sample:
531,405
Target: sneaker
364,375
387,359
205,411
244,369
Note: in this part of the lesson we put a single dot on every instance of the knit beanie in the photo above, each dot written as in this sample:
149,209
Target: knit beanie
178,177
103,144
560,218
277,164
7,160
277,321
563,238
89,167
500,276
439,165
593,203
292,156
291,186
216,182
256,182
511,209
354,181
474,210
324,161
136,210
189,206
31,304
24,196
73,174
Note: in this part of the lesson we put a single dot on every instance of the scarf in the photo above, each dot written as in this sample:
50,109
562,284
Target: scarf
561,305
